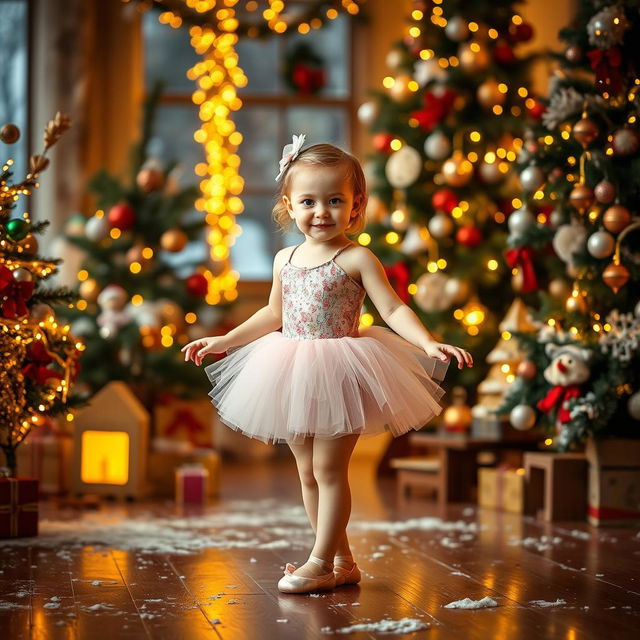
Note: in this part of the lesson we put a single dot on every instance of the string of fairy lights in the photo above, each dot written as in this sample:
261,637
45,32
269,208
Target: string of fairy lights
214,29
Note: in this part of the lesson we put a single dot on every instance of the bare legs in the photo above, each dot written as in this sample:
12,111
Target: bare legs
323,468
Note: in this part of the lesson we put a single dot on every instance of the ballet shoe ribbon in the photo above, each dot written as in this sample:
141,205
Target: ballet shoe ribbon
290,568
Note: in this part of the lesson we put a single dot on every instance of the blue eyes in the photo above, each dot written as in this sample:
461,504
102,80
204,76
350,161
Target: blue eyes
308,202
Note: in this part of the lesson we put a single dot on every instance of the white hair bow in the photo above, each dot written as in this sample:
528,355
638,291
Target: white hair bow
290,153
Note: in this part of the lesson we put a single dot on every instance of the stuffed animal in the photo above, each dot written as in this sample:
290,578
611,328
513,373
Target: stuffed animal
567,370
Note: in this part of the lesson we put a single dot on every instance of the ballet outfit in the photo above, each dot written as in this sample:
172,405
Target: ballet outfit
322,375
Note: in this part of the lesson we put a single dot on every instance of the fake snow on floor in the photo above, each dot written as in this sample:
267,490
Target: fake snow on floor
260,524
468,603
404,625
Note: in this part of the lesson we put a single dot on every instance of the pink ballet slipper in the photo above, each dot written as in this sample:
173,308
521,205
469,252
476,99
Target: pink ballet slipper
344,575
290,583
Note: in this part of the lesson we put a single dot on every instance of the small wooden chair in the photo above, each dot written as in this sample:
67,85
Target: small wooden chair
416,471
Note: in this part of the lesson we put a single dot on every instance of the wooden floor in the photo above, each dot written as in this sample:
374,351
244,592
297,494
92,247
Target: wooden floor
212,573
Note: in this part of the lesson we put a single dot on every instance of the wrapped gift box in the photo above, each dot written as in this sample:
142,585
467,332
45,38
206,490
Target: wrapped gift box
186,420
501,488
168,455
18,507
46,455
191,484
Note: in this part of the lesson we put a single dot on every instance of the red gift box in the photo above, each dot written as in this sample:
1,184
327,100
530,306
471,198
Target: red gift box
18,507
191,484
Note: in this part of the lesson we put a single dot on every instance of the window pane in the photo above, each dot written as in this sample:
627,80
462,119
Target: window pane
332,44
258,58
259,150
321,124
14,80
173,140
168,55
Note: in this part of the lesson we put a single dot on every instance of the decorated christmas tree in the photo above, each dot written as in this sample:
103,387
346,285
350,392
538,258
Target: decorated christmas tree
447,132
39,354
582,373
145,278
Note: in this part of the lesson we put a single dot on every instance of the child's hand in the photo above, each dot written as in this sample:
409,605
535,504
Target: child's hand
198,349
445,351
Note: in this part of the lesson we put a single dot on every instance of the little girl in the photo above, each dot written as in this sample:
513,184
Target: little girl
323,382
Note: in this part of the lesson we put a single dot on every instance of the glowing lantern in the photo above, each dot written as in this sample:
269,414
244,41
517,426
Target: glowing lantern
110,444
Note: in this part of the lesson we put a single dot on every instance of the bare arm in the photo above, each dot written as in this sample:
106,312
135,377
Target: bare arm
400,317
265,320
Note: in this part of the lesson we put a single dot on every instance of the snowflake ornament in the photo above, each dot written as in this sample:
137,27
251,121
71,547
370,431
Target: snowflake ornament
623,340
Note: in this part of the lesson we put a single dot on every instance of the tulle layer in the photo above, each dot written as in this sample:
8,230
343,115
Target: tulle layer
278,389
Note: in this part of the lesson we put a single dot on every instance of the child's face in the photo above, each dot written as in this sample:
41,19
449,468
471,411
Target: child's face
320,201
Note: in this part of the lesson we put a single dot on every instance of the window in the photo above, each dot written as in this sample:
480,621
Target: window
14,80
270,114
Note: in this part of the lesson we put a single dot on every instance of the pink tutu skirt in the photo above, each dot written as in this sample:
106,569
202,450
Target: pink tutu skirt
279,389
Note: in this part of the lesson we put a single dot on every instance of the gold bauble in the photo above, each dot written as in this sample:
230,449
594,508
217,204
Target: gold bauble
473,61
616,218
150,179
9,133
576,304
615,276
89,290
457,170
585,131
174,240
458,416
582,197
489,94
134,254
400,90
559,288
29,244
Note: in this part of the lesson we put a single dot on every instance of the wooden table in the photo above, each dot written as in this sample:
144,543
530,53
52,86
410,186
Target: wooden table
457,454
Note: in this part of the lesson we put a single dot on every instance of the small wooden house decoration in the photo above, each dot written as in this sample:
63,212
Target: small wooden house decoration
110,443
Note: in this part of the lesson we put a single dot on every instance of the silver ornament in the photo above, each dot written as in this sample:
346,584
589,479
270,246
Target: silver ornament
403,167
556,218
430,295
22,275
425,71
440,226
415,241
601,244
569,239
490,172
607,27
457,290
522,417
633,405
96,228
394,59
532,178
437,146
456,29
368,112
41,311
520,220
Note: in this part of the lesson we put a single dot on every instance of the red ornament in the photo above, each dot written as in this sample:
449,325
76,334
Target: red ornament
444,200
197,285
520,32
122,216
469,236
536,110
13,294
503,53
382,142
436,108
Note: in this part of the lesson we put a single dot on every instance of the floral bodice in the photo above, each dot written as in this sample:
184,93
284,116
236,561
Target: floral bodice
319,302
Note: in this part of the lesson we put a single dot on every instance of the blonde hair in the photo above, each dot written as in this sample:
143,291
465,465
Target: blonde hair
326,155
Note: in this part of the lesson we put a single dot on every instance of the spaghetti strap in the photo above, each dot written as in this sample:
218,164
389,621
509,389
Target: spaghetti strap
340,250
291,254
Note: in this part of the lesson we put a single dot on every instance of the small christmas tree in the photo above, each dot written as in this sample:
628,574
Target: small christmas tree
39,355
447,133
146,279
584,362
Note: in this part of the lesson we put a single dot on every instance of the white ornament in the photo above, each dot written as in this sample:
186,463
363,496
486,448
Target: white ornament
456,290
623,339
532,178
415,241
522,417
601,244
633,405
457,29
426,71
430,295
112,297
607,27
520,220
569,239
368,112
394,59
41,311
437,146
403,167
440,226
490,172
556,218
96,228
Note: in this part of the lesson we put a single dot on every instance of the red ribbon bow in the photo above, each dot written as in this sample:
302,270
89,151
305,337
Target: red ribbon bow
523,258
398,275
308,80
13,294
436,108
558,396
184,417
605,63
37,369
